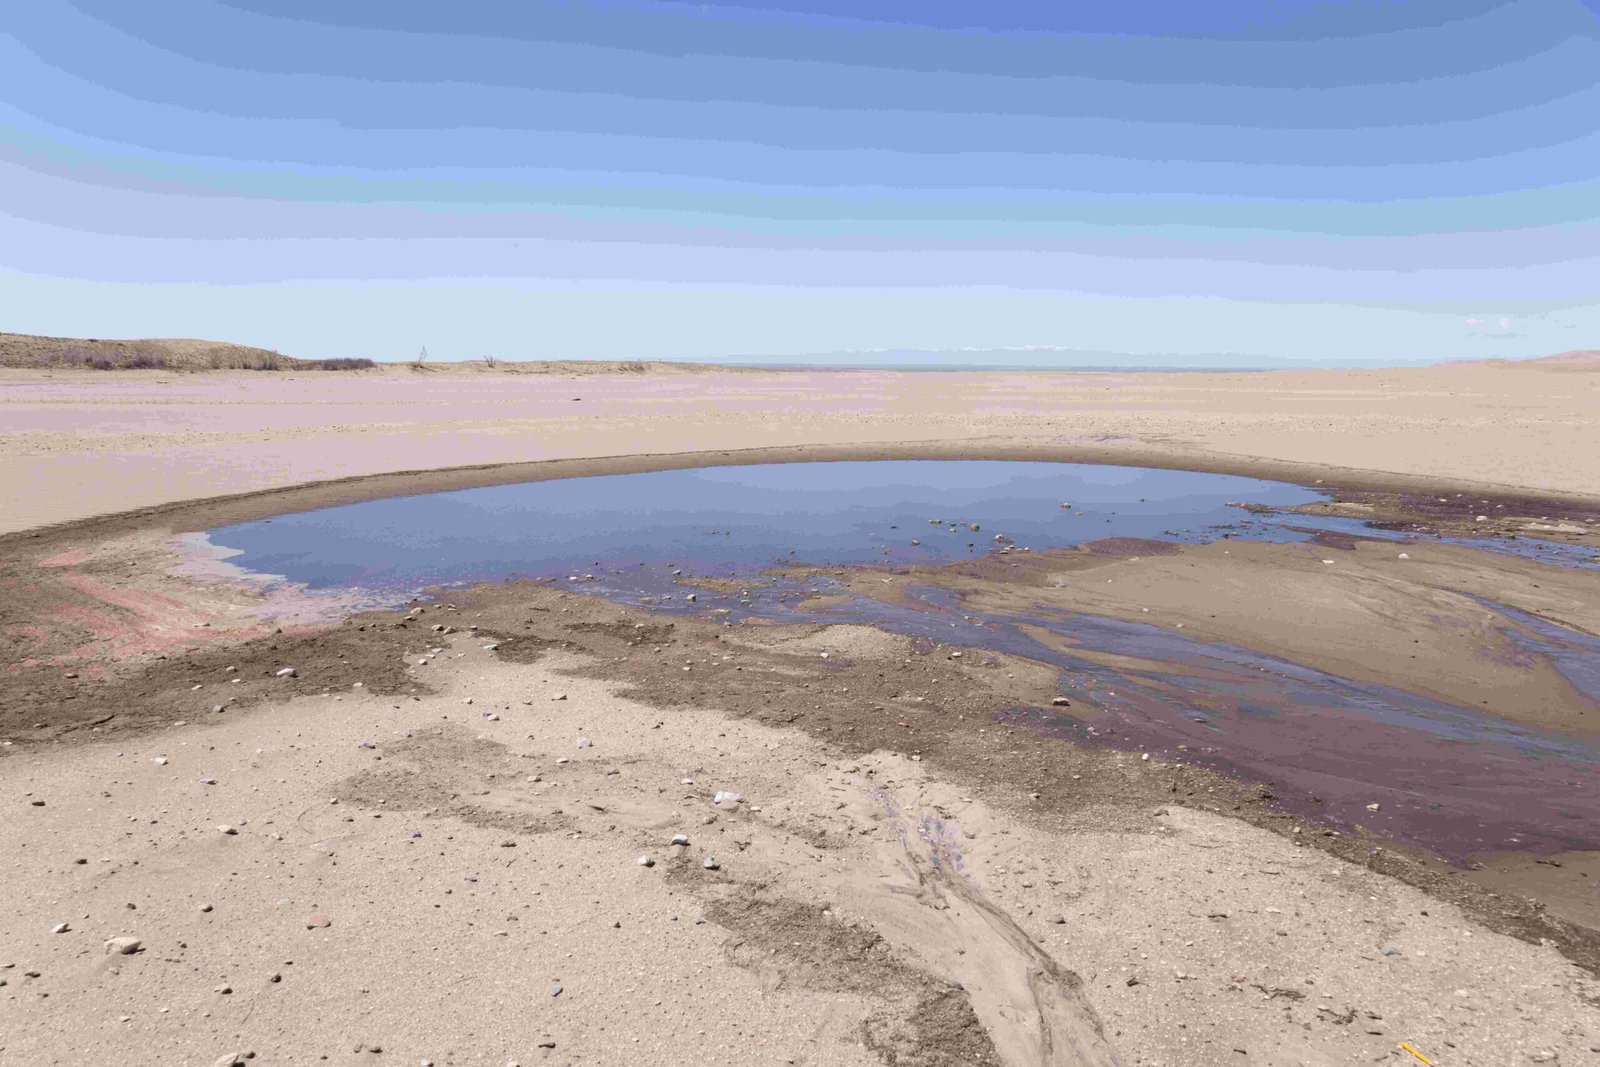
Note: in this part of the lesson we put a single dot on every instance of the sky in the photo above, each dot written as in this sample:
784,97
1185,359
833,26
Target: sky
1152,182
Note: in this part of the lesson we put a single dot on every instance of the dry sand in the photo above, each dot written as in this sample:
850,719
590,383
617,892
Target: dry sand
74,445
906,882
469,866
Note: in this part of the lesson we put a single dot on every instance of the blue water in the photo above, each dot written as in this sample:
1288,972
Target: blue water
727,521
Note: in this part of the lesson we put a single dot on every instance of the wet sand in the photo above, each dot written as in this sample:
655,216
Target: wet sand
914,876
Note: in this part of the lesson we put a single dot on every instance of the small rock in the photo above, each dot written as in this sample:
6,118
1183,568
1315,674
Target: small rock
710,863
1060,702
223,989
645,861
318,921
229,1059
1374,807
1391,950
225,828
1405,555
160,761
123,946
727,798
680,839
288,672
208,781
584,742
60,928
556,990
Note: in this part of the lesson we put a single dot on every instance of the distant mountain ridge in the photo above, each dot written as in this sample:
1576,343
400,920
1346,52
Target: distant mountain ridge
18,350
1574,359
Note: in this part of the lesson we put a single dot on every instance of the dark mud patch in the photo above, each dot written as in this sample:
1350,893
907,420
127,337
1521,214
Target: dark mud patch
443,772
45,703
919,1021
1452,513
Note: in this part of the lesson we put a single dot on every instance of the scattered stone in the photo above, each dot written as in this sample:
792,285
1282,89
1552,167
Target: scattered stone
60,928
559,696
710,863
1373,807
229,1059
205,907
556,990
160,761
1405,555
123,946
225,990
645,861
680,839
208,781
584,742
288,672
1391,950
318,921
727,798
1060,702
227,829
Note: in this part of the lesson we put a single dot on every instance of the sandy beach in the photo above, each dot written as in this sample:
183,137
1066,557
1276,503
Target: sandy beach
79,444
446,833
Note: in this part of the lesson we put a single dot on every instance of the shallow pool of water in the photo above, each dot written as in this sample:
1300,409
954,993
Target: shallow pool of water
1454,780
727,521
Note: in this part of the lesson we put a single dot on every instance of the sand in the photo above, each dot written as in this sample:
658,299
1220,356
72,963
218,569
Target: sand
74,445
469,866
908,880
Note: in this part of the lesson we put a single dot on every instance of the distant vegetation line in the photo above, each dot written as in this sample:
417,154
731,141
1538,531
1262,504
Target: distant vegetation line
68,353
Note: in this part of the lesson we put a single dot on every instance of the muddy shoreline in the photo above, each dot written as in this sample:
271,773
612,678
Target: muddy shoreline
959,717
1410,502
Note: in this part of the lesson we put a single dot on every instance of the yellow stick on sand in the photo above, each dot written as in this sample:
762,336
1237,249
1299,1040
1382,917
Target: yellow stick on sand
1407,1046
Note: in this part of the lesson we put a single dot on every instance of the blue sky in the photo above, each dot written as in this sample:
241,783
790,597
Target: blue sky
1147,182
